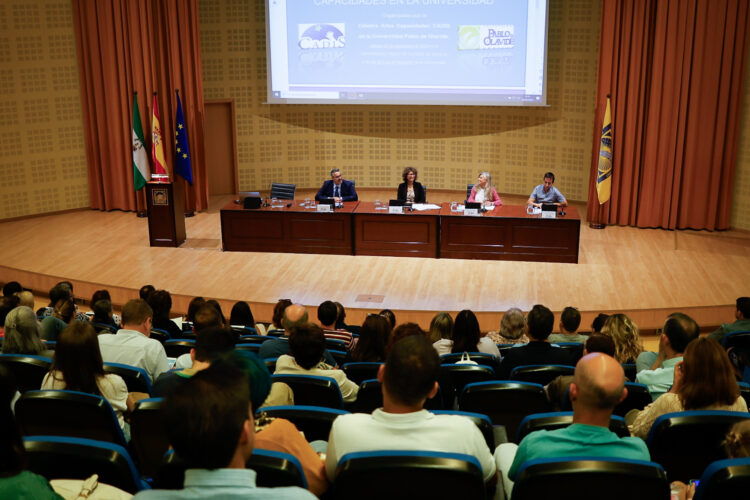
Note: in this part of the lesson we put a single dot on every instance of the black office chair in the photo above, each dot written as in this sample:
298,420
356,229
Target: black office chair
28,370
686,442
725,479
135,378
540,374
408,474
454,377
283,191
68,413
177,347
559,419
360,371
370,398
576,478
310,390
468,190
148,437
313,421
505,402
56,457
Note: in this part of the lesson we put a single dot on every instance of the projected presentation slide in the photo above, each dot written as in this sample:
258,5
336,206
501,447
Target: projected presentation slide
480,52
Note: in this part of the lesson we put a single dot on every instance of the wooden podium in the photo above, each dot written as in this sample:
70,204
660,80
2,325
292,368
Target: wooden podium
166,214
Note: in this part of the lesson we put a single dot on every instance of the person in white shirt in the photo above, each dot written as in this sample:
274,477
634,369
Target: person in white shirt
131,345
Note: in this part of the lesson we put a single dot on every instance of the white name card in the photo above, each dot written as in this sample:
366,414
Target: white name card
323,207
471,211
549,214
395,210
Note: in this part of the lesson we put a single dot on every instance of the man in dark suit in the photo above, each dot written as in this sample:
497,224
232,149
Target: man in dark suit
538,351
337,188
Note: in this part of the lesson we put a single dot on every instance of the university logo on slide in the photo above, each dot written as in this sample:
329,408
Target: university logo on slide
483,36
321,36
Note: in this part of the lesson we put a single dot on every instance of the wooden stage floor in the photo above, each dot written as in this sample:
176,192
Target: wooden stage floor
646,273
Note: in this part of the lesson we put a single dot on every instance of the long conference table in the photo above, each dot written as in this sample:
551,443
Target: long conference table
358,228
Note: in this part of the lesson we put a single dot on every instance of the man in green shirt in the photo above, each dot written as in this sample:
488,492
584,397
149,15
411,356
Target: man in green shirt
742,323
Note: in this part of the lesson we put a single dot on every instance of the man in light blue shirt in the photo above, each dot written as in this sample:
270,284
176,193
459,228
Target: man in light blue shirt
209,423
679,330
547,193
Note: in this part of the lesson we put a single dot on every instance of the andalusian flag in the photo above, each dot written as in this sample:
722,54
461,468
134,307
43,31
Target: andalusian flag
157,148
141,170
604,173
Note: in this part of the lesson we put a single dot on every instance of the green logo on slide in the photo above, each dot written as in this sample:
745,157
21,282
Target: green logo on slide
468,37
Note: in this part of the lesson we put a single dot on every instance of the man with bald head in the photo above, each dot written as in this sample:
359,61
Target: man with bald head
598,386
294,315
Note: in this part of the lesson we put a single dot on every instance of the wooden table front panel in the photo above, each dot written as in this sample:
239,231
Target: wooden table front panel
413,234
291,230
508,233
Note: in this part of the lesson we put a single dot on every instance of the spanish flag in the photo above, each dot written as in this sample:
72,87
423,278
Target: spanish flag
604,173
157,147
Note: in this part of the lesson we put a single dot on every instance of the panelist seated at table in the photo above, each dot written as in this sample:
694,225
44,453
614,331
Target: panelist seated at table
337,189
484,192
410,190
547,193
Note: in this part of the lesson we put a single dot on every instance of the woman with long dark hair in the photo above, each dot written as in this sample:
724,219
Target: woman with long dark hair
241,315
373,339
77,366
468,338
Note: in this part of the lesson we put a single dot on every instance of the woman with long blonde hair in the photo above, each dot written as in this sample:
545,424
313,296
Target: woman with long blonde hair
624,332
484,192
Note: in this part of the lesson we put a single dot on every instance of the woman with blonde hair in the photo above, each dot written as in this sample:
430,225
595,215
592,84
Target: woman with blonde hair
441,327
624,332
484,192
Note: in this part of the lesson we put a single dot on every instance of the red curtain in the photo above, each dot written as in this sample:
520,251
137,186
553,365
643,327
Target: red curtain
675,71
143,46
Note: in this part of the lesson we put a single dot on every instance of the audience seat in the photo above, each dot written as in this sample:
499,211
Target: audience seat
311,390
483,423
370,398
745,391
379,475
28,370
581,477
736,339
148,437
454,377
56,457
282,191
725,479
270,364
160,335
504,347
252,347
574,348
358,372
630,371
335,344
557,420
313,421
638,398
505,403
341,357
540,374
254,339
135,378
244,330
685,443
481,358
177,347
99,327
68,413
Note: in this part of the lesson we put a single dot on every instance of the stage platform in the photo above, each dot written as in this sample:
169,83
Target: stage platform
646,273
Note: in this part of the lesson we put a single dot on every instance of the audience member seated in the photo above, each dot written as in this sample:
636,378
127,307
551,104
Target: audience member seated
703,380
15,481
62,315
210,343
11,288
103,314
741,323
62,290
77,366
409,378
145,291
598,386
327,316
22,333
241,315
401,332
104,295
373,339
217,306
466,337
341,319
209,423
161,304
538,351
7,304
484,192
390,316
598,323
25,298
278,316
570,320
193,307
512,328
207,316
558,388
293,315
441,327
306,348
679,330
624,332
131,345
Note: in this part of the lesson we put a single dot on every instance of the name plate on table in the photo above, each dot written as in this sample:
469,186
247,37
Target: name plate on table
549,214
324,207
471,211
395,209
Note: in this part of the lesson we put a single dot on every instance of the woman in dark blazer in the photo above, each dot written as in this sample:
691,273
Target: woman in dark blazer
410,190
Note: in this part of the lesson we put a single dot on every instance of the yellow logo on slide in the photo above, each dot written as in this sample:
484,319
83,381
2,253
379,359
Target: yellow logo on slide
468,37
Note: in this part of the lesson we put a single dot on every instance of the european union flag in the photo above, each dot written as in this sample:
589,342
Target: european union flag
182,151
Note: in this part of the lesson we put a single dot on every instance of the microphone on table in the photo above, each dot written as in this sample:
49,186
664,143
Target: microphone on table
288,205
